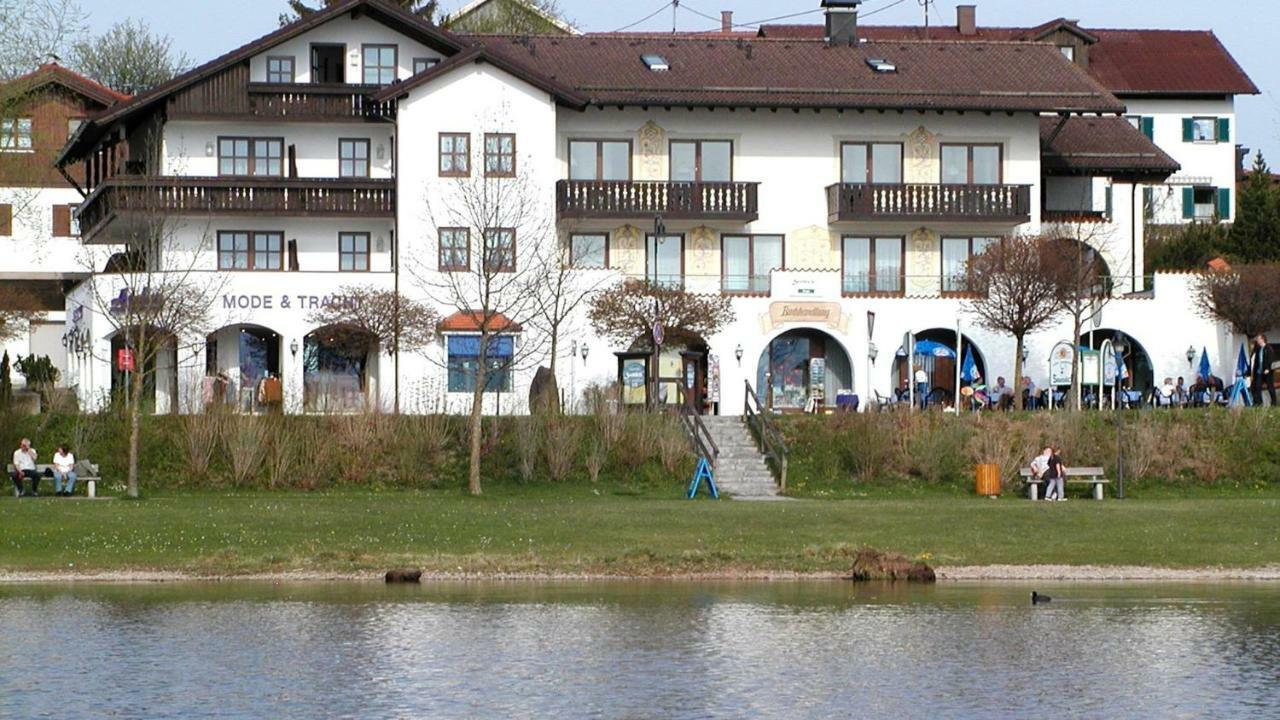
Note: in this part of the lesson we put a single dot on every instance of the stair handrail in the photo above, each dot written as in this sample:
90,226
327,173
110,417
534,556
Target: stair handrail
766,434
703,444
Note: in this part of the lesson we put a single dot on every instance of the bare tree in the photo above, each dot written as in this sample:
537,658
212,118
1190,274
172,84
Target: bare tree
298,9
1074,261
17,309
507,219
33,32
129,58
1246,297
155,290
509,17
565,288
1014,292
396,322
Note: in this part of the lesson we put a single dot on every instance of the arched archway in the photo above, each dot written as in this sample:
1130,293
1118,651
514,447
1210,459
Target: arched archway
154,353
803,368
1136,360
336,360
683,355
935,354
241,361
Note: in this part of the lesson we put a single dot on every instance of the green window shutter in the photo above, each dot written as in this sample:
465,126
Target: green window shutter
1188,203
1148,127
1224,203
1110,202
1148,202
1188,129
1224,130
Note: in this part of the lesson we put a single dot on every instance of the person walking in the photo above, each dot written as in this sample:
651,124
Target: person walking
64,472
1260,373
24,465
1054,475
1039,465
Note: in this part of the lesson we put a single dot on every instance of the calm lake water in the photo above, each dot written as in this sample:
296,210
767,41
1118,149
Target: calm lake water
639,650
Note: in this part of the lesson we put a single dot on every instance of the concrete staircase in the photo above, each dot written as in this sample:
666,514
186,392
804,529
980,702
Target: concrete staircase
741,471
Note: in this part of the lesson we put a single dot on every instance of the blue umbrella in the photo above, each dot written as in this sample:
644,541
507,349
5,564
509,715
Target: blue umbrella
1242,363
929,347
969,370
1205,371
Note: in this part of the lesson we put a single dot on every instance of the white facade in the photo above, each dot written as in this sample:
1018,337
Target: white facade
1208,165
794,157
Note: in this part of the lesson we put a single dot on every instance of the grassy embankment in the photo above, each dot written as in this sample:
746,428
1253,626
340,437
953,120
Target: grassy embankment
614,530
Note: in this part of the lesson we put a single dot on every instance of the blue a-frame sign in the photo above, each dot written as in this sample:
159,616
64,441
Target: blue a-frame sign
703,472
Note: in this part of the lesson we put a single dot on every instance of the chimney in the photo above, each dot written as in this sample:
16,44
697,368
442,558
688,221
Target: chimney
726,21
842,21
967,19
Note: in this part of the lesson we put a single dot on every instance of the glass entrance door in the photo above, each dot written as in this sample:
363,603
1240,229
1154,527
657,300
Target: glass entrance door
788,380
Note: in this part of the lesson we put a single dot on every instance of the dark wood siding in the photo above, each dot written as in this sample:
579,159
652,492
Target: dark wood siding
51,109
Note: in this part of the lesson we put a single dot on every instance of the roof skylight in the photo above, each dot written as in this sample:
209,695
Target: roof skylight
881,65
656,63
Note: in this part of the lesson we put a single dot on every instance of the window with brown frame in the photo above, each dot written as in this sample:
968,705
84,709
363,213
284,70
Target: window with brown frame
64,224
455,250
664,260
589,250
251,156
872,265
455,154
972,164
499,155
15,134
422,64
353,157
746,262
956,254
280,69
379,64
500,250
702,160
871,163
249,250
599,159
353,251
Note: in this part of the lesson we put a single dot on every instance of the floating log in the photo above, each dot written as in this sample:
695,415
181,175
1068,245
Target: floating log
404,575
872,564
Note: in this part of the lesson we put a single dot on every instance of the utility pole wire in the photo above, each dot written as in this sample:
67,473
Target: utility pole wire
646,17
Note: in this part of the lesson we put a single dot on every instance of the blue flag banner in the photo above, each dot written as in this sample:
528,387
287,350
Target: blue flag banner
969,371
1205,372
1242,363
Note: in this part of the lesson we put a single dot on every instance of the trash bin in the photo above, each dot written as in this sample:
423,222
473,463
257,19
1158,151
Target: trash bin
988,480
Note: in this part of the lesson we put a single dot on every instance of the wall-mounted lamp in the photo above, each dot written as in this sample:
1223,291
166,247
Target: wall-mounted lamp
1026,352
872,352
1191,355
293,347
208,149
585,350
737,353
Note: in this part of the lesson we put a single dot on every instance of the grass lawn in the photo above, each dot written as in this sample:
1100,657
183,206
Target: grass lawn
612,530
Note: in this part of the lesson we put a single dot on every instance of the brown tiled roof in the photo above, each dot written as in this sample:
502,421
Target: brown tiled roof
811,74
1127,62
1101,146
77,83
476,54
470,321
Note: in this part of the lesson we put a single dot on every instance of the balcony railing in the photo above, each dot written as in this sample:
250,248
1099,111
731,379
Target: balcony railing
1074,216
174,195
301,101
621,199
997,203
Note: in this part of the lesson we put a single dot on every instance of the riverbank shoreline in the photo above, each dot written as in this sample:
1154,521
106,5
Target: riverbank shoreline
957,574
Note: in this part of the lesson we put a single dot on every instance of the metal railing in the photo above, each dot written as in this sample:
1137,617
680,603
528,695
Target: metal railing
766,434
700,437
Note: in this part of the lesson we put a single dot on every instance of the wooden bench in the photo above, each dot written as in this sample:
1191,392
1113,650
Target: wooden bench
1092,476
86,472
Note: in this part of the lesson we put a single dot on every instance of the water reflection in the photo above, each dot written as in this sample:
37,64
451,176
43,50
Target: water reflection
638,650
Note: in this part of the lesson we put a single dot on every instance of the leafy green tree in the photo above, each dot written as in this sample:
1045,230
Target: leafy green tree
509,17
298,9
1185,247
129,58
1256,231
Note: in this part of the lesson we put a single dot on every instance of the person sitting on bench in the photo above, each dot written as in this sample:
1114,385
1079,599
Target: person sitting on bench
24,465
64,472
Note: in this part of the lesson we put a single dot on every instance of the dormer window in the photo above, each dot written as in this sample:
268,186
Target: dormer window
656,63
1068,52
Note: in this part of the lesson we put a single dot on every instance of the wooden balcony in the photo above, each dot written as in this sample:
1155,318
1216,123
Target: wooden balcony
159,197
229,95
621,199
985,203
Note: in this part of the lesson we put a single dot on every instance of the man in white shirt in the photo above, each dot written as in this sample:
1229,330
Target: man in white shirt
64,472
24,465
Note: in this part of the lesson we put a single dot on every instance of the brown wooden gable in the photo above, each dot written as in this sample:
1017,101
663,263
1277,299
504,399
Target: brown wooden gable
51,110
222,93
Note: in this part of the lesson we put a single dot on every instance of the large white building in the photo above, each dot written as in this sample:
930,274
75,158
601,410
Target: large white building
816,181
